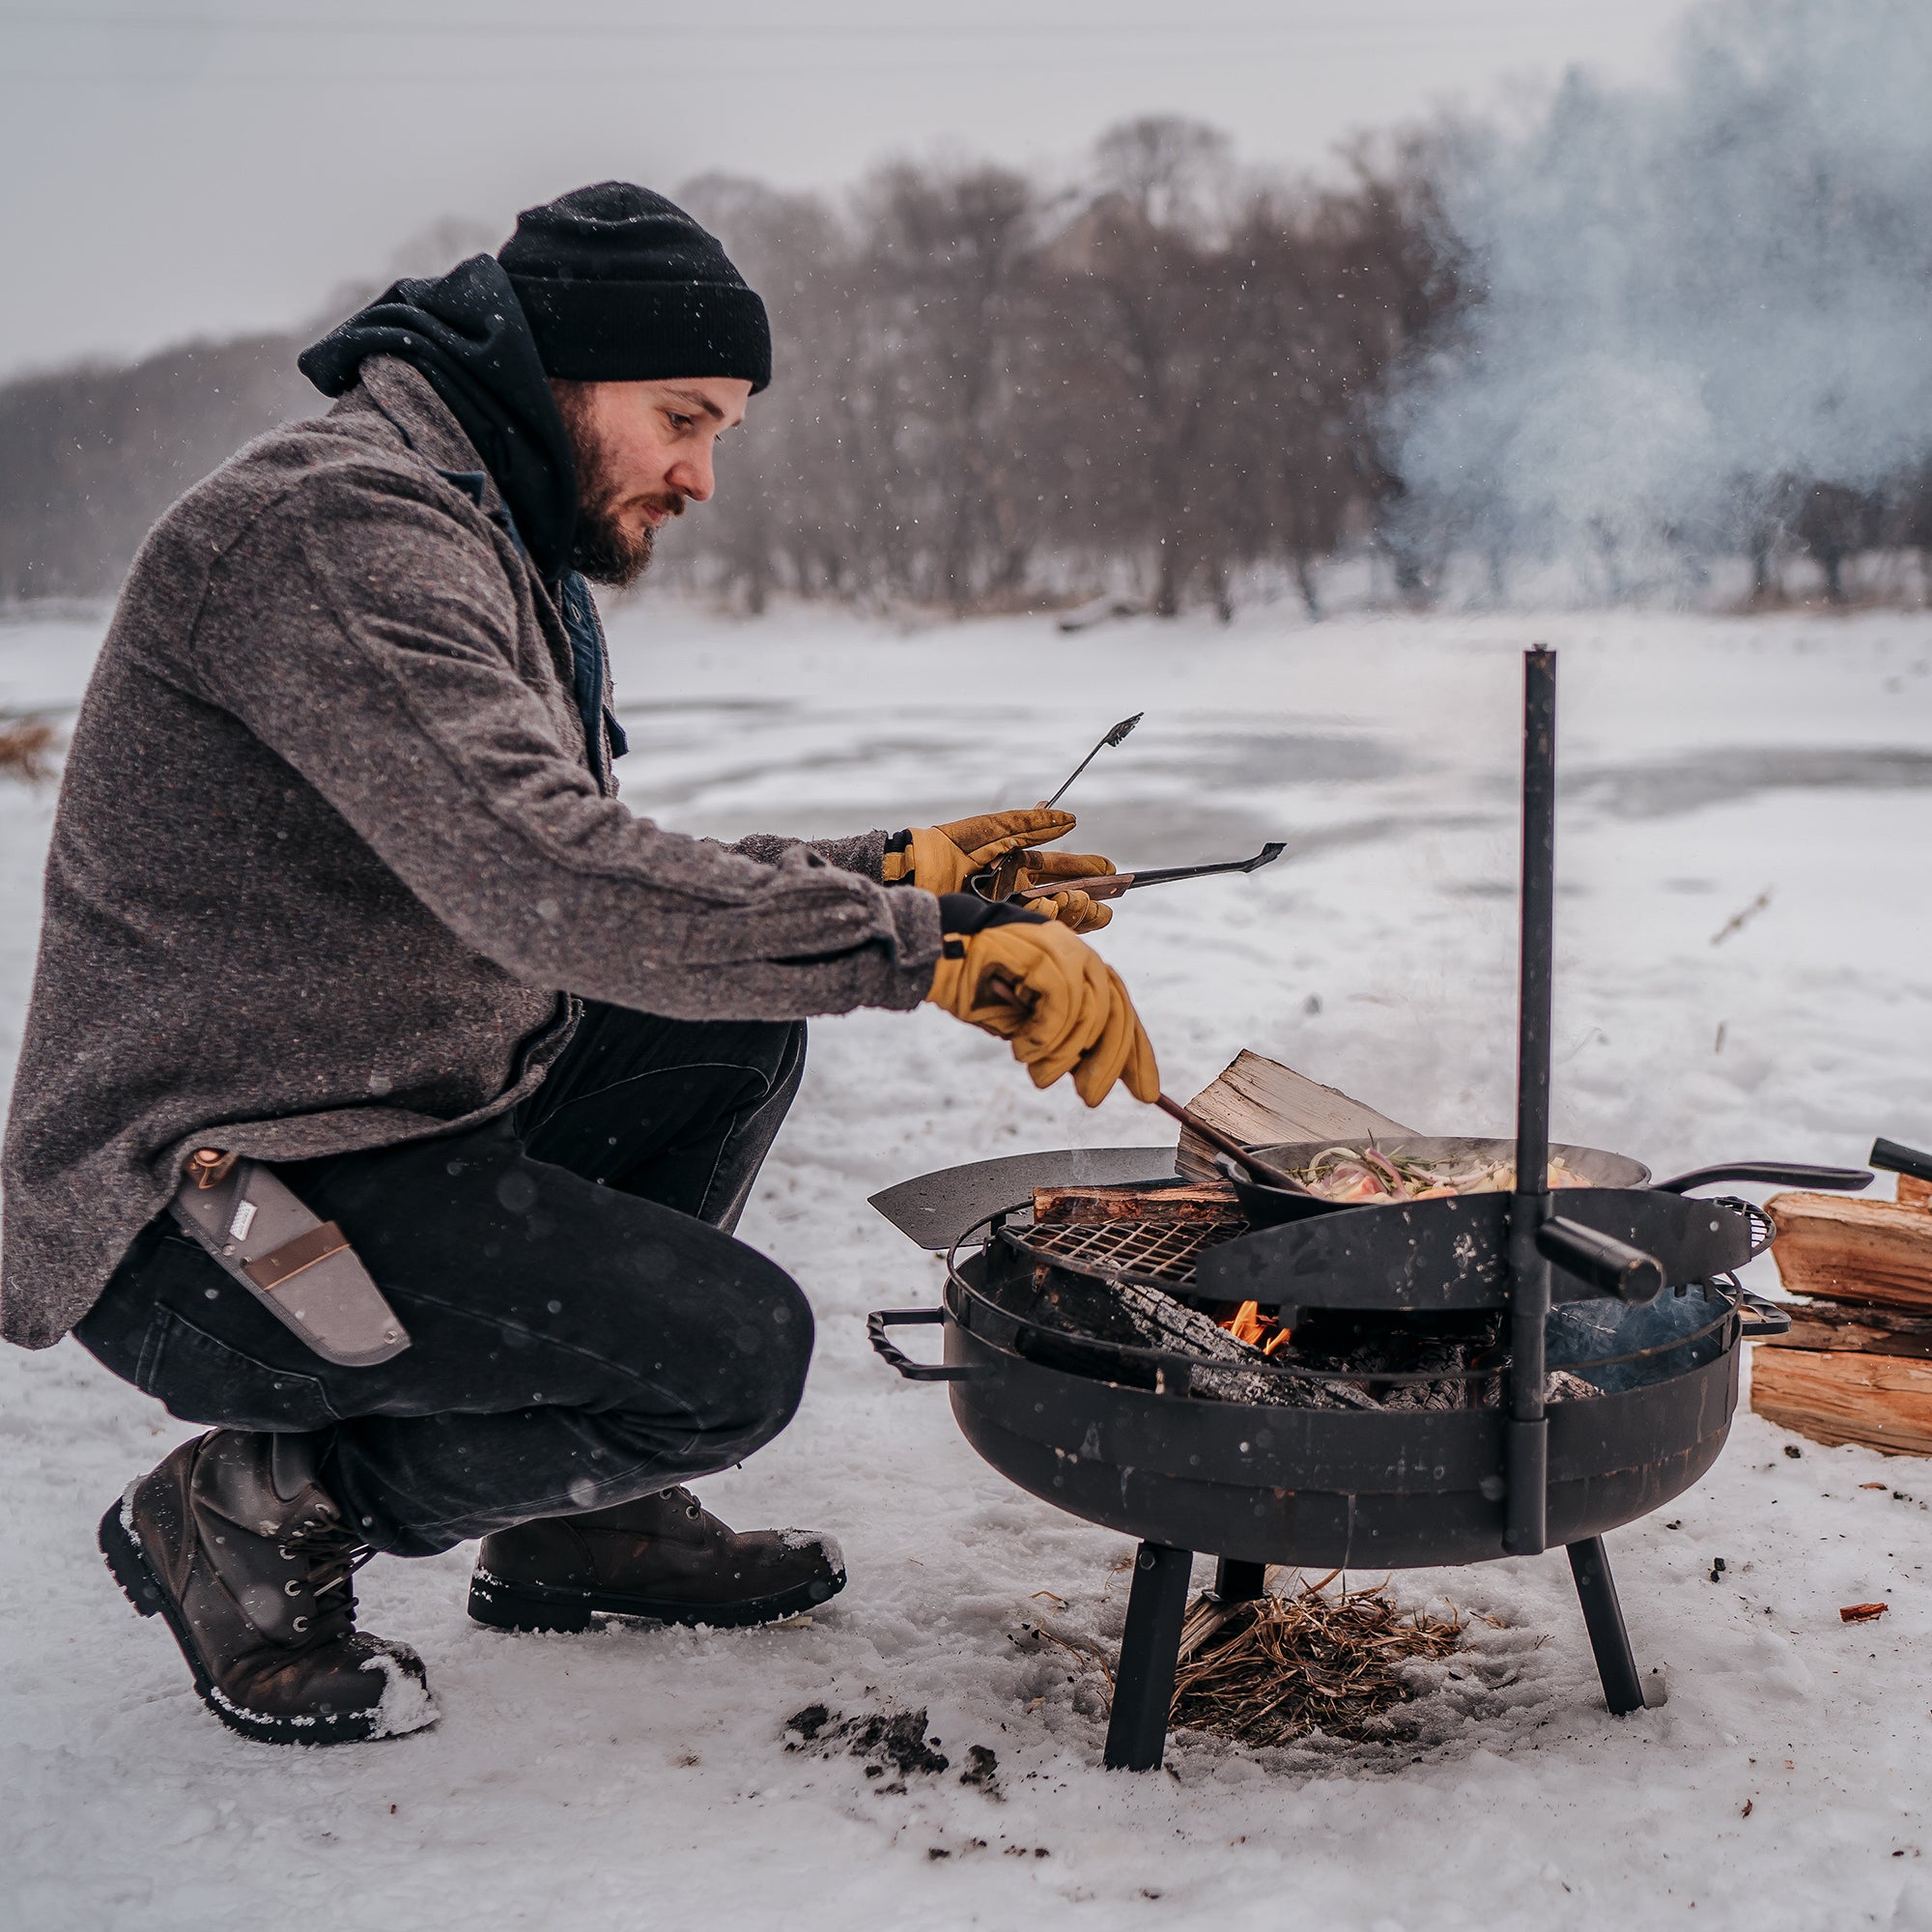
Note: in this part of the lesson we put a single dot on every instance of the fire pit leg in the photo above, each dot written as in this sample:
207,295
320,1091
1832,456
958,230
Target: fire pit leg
1238,1582
1150,1646
1603,1619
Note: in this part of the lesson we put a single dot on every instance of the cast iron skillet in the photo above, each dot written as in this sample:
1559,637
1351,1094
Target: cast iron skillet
1271,1207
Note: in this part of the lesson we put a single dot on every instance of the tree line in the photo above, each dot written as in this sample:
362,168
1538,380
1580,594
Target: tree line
989,392
1163,380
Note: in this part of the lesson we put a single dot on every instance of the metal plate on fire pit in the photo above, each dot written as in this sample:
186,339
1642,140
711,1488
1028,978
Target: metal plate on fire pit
1452,1254
934,1210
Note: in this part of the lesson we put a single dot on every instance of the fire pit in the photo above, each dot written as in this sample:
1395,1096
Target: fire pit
1416,1417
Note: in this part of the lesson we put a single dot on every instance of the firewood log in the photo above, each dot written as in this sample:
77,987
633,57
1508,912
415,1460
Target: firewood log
1263,1103
1884,1402
1197,1200
1865,1330
1878,1251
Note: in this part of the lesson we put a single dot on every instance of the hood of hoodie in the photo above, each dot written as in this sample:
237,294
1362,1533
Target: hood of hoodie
466,331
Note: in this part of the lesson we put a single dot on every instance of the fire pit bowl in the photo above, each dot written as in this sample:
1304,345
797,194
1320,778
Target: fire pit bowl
1119,1437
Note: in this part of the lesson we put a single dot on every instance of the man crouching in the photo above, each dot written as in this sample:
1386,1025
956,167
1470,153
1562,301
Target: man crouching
390,1092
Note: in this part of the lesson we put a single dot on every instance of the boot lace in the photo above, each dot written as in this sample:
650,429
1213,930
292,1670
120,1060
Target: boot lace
334,1554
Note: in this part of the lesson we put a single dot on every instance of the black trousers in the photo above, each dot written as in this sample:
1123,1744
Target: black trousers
583,1327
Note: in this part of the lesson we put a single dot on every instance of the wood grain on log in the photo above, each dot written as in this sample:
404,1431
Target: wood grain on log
1877,1251
1913,1192
1263,1103
1884,1402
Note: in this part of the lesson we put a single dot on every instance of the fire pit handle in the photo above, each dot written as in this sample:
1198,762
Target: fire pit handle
882,1318
1774,1173
1761,1318
1609,1265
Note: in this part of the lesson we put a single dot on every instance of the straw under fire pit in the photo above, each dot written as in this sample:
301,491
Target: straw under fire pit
1275,1668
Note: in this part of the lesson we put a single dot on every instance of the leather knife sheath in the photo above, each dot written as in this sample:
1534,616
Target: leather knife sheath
303,1270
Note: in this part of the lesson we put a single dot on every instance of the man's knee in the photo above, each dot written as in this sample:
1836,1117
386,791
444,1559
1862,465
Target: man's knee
769,1346
730,1347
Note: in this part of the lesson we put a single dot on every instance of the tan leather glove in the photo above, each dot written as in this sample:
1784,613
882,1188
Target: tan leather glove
1073,910
1060,1005
942,858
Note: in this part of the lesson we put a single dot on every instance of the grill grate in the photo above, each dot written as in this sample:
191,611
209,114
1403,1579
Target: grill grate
1153,1250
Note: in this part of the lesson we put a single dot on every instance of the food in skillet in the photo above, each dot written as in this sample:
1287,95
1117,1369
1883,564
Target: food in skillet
1355,1173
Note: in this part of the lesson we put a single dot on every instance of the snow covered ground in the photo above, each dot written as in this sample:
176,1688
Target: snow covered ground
636,1777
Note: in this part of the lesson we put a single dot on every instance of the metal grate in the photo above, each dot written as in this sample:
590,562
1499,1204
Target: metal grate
1153,1250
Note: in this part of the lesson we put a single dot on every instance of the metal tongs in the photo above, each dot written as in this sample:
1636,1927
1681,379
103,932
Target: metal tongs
1111,884
999,882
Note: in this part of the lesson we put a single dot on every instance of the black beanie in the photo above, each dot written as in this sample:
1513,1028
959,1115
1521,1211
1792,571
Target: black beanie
621,286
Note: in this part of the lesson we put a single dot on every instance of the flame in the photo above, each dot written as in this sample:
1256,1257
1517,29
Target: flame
1249,1325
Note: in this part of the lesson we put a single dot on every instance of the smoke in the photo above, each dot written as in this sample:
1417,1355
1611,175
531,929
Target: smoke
1684,303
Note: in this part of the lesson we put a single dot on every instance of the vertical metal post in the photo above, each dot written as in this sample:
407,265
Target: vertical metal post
1603,1619
1238,1582
1149,1647
1527,1475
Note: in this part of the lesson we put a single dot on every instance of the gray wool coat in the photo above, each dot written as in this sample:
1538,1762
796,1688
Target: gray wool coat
331,852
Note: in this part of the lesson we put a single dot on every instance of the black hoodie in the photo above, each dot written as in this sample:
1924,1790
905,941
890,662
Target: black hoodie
466,332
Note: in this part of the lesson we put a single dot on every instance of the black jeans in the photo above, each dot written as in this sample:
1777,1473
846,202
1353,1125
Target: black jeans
583,1328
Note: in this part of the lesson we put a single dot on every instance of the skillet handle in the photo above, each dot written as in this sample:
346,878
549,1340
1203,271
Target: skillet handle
882,1318
1774,1173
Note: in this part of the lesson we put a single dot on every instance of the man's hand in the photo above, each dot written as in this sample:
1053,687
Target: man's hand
1060,1005
942,858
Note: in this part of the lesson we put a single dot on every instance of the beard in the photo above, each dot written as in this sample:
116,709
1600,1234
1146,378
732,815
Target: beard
604,547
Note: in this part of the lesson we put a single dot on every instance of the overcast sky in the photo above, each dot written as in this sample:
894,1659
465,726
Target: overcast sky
174,167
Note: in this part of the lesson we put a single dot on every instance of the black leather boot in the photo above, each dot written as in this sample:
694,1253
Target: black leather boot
235,1542
662,1556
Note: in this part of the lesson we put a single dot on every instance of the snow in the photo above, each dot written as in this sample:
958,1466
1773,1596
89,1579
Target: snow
639,1777
406,1704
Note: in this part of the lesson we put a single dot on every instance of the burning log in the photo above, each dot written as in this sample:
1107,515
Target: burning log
1233,1370
1109,1249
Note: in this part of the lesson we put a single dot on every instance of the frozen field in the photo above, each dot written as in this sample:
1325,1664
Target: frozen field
639,1779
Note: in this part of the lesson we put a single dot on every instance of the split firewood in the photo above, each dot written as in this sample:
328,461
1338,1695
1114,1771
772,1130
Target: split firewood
1913,1192
1875,1251
1197,1200
1263,1103
1865,1330
1836,1396
1862,1613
